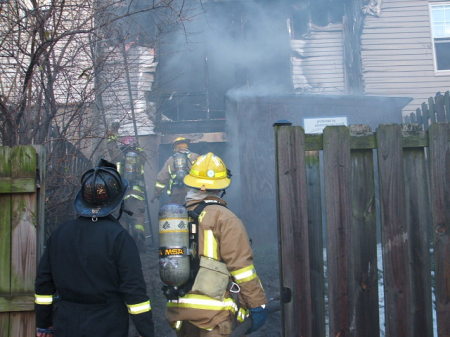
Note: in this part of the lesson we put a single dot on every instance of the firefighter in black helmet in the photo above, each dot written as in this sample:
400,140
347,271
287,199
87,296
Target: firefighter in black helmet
176,167
90,269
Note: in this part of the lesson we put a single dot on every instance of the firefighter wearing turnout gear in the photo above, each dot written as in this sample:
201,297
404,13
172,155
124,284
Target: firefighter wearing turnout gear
91,270
113,152
176,167
132,168
226,289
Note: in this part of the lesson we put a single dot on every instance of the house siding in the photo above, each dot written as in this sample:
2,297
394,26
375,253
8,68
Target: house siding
317,61
397,53
116,97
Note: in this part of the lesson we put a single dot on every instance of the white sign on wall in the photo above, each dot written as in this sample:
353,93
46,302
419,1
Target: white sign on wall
316,125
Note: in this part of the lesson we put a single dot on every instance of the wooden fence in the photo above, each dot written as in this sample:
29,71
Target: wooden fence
436,110
396,179
20,217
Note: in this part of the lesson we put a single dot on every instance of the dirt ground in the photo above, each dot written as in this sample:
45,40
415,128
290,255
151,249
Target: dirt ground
267,268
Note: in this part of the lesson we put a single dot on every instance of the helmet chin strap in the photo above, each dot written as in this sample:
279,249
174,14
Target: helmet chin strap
120,210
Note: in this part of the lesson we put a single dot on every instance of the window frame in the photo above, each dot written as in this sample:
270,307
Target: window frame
433,44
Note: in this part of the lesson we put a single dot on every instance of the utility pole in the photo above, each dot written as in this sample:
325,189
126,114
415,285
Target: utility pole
133,116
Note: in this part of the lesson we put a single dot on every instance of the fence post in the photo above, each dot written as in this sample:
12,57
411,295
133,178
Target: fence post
337,175
440,193
293,230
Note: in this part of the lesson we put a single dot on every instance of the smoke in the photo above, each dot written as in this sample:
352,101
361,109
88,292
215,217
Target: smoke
226,49
221,46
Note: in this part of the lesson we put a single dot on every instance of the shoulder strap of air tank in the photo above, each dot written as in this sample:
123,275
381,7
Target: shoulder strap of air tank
188,156
195,213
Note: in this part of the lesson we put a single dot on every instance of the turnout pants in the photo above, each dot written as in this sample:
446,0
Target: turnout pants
224,329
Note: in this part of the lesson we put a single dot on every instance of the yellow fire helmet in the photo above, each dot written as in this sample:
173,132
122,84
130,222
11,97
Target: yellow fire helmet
180,140
208,173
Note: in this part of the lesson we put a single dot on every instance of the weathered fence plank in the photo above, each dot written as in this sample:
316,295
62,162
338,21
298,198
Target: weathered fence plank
293,227
22,324
418,217
337,174
440,107
364,241
397,289
23,223
431,110
4,324
425,115
5,239
440,196
312,160
5,226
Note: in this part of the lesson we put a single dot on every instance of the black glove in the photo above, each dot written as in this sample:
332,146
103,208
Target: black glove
259,317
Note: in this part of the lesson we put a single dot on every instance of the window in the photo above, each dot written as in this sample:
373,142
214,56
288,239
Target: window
440,27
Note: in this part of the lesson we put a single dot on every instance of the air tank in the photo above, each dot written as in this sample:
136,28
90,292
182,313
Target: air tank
174,261
131,163
181,167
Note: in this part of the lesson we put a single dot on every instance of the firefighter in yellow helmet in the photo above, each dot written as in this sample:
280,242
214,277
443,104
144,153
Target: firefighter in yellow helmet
224,288
170,177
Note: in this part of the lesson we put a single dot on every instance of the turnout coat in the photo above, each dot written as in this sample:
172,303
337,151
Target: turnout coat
89,279
223,237
166,176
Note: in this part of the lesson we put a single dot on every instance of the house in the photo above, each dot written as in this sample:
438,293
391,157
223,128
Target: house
413,53
376,47
404,51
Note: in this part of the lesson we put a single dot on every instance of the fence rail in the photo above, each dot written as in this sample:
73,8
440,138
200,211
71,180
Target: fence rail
408,175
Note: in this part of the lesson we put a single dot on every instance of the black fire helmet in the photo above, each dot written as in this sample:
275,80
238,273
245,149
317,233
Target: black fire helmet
102,191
